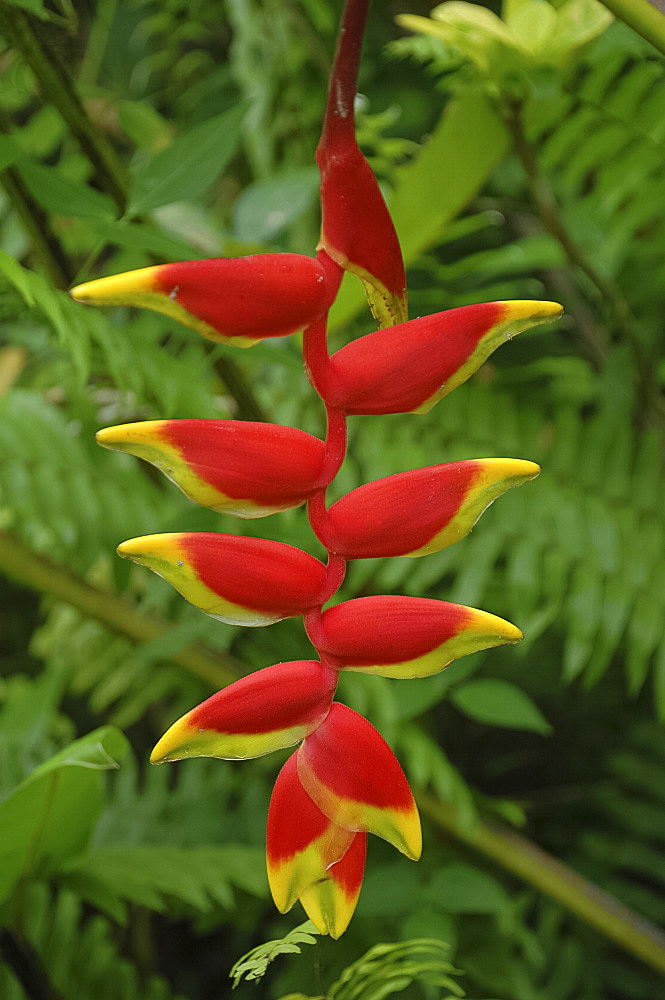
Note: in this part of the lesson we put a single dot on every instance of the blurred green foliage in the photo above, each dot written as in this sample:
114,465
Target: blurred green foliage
513,170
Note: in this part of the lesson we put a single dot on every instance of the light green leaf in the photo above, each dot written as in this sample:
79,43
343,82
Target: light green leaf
500,703
50,815
533,24
264,209
578,22
60,196
189,165
35,7
144,126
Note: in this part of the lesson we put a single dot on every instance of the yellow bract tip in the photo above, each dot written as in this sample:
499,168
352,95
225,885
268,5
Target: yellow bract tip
532,309
123,435
117,289
163,546
482,623
176,743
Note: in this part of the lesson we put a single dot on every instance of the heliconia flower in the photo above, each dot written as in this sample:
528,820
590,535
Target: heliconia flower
233,466
272,708
408,368
403,636
240,580
356,229
230,300
330,902
301,843
353,776
418,512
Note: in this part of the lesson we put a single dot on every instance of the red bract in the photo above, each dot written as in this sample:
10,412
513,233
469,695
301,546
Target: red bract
233,466
242,581
415,513
272,708
403,636
352,775
301,842
344,781
238,301
410,367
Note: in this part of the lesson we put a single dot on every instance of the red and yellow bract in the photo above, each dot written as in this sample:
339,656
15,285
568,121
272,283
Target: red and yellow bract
403,636
241,581
231,300
273,708
415,513
233,466
344,781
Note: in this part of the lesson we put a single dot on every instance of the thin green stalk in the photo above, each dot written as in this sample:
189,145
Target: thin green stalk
57,87
39,573
45,243
547,874
643,17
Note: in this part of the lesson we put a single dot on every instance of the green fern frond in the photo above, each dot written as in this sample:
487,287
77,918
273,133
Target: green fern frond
81,953
254,965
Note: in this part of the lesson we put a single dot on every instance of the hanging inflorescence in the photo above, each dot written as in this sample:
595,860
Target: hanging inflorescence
343,781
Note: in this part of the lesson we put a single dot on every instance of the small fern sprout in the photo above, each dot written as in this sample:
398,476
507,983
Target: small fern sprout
343,781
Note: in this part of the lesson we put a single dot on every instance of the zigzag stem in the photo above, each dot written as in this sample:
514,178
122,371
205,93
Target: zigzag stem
316,359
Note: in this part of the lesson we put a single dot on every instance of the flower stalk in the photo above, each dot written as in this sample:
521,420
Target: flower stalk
343,781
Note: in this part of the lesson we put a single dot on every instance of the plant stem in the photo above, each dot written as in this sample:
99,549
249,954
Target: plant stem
335,444
27,966
57,87
39,573
547,874
45,243
643,17
236,382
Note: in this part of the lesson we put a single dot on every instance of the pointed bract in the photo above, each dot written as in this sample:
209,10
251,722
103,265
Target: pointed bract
272,708
232,466
422,511
330,902
231,300
353,776
409,367
301,843
403,636
356,229
240,580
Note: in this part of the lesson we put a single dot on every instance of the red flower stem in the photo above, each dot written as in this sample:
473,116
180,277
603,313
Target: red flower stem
319,520
312,622
335,444
315,347
335,573
315,355
339,115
